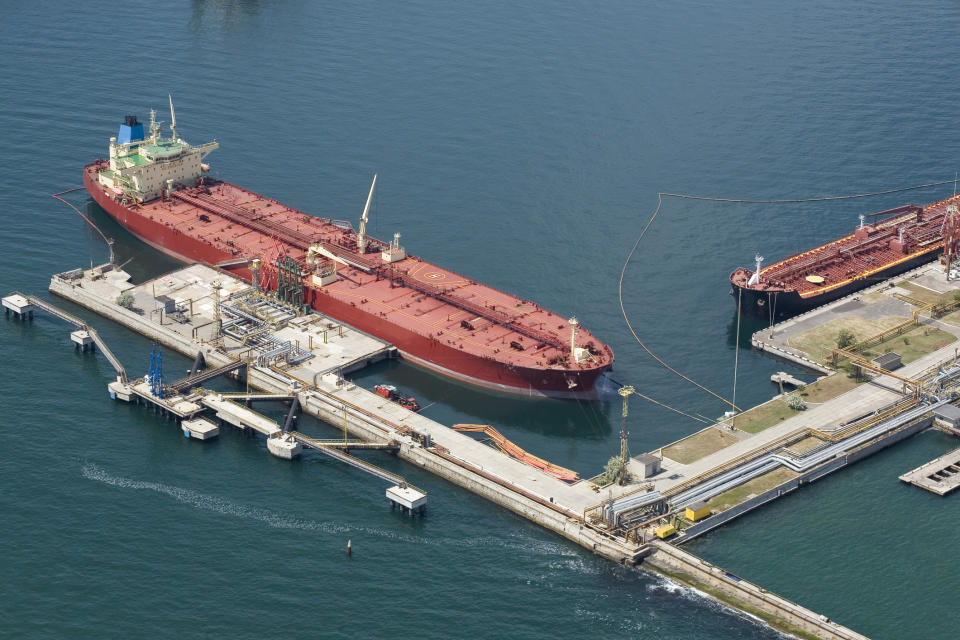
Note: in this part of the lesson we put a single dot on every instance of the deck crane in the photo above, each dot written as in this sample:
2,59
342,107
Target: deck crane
362,235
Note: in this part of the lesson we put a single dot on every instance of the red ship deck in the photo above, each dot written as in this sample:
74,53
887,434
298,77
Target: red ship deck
872,249
439,318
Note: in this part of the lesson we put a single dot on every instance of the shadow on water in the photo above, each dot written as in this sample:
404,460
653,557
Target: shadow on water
230,12
749,325
580,419
562,418
140,260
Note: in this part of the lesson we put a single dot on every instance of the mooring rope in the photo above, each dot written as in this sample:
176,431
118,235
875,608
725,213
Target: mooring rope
106,240
736,355
662,194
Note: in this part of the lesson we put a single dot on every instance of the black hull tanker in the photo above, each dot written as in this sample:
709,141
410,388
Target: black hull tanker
896,241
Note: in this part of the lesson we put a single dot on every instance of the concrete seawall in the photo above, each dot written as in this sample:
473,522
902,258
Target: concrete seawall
813,475
732,589
569,524
487,473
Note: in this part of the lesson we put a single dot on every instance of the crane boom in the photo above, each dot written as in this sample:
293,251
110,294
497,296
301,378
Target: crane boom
362,234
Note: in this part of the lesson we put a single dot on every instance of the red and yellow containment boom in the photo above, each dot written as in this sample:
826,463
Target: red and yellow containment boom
514,451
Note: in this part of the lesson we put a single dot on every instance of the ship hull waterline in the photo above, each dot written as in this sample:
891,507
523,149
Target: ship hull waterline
785,304
429,354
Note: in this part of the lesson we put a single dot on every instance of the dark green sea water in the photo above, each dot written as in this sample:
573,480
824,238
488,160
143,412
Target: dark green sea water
521,144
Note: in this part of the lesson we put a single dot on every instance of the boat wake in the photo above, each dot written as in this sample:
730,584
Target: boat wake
664,585
276,520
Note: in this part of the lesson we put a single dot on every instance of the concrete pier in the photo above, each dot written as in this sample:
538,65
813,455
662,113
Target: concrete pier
940,476
782,378
408,499
19,305
239,415
853,425
82,340
323,393
199,428
284,446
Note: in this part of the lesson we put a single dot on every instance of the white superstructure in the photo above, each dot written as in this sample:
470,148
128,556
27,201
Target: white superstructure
142,169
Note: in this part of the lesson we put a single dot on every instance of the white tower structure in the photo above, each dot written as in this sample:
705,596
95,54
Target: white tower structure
579,354
755,278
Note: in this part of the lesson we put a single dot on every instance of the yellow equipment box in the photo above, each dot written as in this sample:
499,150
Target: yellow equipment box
697,511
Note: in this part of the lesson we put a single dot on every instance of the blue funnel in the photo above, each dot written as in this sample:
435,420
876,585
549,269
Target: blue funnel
130,130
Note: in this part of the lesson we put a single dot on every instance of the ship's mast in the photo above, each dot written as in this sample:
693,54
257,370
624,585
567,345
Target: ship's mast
154,127
173,120
573,338
362,235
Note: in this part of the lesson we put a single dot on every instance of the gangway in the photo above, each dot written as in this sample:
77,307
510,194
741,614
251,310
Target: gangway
514,451
80,324
208,374
347,445
259,397
363,465
228,409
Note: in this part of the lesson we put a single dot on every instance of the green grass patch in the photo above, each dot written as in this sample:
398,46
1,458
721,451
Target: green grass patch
748,489
927,295
763,416
818,343
913,344
700,444
770,413
829,388
951,318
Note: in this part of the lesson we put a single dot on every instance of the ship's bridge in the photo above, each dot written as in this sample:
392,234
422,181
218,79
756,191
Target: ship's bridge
164,151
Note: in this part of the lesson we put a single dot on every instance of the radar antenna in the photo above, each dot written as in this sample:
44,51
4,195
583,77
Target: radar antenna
154,127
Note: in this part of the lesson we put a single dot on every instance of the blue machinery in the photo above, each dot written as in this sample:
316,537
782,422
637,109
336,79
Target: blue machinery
155,374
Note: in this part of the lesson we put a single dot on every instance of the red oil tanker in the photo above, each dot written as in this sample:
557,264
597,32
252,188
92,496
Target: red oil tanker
896,240
159,189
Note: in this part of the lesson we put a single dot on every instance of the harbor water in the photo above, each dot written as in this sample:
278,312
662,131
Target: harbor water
521,144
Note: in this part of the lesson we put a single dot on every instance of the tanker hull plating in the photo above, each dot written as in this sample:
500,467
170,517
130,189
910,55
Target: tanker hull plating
785,304
896,241
436,318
